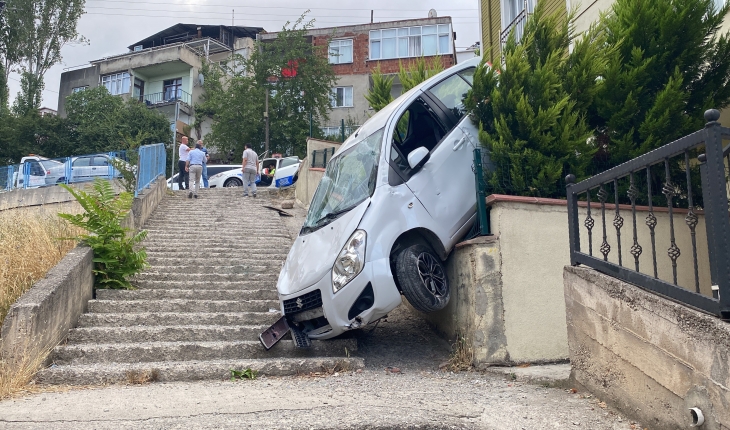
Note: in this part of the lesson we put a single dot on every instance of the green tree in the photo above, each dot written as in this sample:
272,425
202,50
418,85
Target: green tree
43,28
418,71
531,110
670,65
298,78
379,95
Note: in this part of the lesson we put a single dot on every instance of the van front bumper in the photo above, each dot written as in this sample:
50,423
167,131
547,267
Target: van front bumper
319,300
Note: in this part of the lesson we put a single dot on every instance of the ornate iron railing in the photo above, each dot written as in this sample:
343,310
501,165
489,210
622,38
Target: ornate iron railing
676,172
518,25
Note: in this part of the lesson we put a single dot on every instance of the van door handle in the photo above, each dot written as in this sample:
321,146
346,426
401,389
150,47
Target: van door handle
460,143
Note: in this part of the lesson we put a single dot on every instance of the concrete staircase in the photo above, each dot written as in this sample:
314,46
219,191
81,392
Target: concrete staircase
210,291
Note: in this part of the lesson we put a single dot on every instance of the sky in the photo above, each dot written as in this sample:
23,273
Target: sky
112,25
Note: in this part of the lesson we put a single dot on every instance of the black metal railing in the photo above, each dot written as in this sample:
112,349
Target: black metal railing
169,96
518,25
482,161
320,157
690,173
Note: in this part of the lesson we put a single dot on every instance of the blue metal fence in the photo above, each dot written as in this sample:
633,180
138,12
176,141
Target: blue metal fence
151,165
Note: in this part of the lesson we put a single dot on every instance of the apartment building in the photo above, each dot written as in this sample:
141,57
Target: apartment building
163,70
355,50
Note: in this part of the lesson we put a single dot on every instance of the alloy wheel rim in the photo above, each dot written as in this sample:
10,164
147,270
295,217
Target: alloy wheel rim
432,274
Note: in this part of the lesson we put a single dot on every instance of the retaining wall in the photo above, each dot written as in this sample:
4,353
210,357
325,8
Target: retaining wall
309,176
42,317
650,357
507,290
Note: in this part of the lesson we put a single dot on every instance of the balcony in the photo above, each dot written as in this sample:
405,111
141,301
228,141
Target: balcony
167,98
518,25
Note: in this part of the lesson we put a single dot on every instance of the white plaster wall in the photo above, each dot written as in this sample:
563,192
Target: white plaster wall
587,12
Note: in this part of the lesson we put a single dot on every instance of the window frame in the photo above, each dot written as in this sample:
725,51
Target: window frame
115,83
409,38
338,57
344,97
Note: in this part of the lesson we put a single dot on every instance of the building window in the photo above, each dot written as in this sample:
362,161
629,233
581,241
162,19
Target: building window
79,89
173,89
340,51
117,83
341,97
410,42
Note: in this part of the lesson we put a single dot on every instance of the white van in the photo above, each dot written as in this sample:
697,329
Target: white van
394,200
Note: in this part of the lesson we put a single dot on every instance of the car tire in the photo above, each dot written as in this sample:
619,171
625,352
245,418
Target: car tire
233,182
422,277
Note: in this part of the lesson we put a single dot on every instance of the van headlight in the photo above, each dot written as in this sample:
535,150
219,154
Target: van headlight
350,261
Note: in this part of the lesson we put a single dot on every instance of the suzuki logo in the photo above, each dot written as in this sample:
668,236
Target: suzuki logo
300,303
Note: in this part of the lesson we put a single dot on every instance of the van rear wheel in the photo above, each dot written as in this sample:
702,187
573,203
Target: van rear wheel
422,278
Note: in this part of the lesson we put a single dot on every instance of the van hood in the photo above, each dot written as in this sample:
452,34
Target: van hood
313,255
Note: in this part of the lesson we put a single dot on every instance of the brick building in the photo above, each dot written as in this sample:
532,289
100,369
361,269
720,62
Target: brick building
355,50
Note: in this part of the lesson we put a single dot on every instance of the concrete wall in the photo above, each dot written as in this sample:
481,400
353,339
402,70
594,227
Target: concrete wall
42,196
360,110
42,317
651,358
86,77
521,267
309,177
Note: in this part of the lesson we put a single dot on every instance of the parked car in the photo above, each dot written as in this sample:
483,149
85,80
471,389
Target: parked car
213,170
41,171
394,200
285,175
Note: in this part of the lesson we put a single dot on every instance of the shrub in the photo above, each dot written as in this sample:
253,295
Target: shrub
115,257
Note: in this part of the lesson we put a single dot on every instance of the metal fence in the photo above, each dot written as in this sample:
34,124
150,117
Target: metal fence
151,165
481,161
169,96
689,172
320,157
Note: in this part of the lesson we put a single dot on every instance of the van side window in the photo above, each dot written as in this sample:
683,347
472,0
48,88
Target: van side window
451,93
288,162
36,169
418,126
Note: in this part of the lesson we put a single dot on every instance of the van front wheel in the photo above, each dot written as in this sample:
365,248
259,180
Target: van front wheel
422,278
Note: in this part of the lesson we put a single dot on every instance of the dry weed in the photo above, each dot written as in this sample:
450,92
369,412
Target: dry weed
15,375
139,377
462,355
29,247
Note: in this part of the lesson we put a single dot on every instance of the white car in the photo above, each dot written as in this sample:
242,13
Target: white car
90,167
285,175
394,200
213,170
40,170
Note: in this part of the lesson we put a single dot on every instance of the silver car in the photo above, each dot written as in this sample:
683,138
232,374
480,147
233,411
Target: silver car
394,200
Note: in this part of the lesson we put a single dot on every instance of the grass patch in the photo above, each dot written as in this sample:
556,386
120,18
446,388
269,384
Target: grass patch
15,376
462,355
139,377
28,249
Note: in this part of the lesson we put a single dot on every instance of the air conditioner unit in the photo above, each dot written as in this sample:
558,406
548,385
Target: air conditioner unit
138,48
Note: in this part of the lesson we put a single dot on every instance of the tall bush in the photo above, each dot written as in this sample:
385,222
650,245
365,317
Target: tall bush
418,71
670,65
115,257
379,95
532,110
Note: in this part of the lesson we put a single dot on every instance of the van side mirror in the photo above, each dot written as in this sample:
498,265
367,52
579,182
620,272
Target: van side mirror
418,157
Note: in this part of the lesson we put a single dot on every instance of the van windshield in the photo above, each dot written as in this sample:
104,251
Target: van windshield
347,182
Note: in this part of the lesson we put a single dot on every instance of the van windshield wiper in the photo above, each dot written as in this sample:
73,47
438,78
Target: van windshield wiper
330,216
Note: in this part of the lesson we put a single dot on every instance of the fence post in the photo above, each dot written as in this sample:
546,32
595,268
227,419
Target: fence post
716,209
11,171
573,224
342,129
26,174
138,172
67,171
481,194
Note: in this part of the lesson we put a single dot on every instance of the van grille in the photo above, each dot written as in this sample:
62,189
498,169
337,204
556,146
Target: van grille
311,300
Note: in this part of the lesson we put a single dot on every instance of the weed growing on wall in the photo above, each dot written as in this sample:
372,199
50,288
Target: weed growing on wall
115,257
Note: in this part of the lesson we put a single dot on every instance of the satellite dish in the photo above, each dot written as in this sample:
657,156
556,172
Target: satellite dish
201,78
432,13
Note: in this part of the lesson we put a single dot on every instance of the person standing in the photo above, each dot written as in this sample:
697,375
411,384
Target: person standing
250,168
194,165
183,178
205,164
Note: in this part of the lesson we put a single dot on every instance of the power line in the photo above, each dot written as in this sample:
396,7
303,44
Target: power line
44,89
198,18
264,7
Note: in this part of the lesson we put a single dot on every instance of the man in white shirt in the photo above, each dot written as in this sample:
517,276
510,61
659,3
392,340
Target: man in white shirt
183,177
194,165
250,168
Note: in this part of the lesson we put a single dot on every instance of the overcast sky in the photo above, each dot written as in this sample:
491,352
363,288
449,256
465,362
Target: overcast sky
112,25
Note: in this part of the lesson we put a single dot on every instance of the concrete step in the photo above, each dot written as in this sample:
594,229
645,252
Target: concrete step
186,294
214,306
185,351
243,259
171,371
184,244
179,319
241,285
241,270
136,334
176,276
249,252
